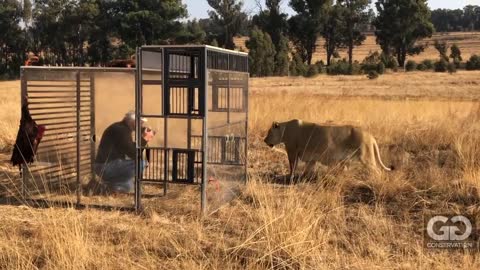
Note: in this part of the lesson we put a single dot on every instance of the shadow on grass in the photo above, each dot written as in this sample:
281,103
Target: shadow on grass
287,179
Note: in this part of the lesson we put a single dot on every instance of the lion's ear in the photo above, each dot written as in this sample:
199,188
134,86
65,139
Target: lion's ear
275,124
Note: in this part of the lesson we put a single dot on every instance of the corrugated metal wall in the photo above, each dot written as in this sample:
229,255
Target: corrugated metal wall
62,101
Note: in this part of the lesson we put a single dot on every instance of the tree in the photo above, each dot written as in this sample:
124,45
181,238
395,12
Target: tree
367,25
400,24
27,11
192,33
471,18
12,41
261,53
211,29
306,25
297,67
456,55
272,20
281,57
46,30
102,33
79,20
442,48
228,16
27,21
446,20
147,22
333,31
473,63
61,29
355,14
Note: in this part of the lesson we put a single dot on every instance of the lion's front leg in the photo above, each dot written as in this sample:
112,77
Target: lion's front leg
292,161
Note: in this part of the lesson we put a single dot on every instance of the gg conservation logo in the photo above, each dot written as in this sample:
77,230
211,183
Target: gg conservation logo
449,232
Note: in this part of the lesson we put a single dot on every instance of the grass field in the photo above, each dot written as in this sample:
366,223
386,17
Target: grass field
468,42
427,126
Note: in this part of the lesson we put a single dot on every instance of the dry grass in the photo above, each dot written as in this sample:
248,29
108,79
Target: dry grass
468,42
427,85
344,219
10,111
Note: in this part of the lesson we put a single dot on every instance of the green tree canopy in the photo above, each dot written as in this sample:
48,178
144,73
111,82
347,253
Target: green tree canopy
455,53
306,25
355,15
400,24
333,31
229,18
12,41
281,57
261,54
27,11
191,33
272,20
148,22
442,48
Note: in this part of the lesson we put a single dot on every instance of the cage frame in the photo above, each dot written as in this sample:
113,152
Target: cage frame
137,73
203,75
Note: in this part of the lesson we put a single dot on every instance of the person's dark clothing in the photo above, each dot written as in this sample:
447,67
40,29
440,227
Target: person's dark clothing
116,143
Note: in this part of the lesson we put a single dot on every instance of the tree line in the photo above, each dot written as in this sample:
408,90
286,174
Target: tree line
449,20
94,32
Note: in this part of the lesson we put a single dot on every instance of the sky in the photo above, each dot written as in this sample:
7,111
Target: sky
198,8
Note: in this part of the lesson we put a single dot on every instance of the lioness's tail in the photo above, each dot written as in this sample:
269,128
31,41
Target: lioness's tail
377,155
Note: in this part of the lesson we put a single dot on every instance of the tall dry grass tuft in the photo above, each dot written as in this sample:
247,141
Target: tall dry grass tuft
291,225
10,112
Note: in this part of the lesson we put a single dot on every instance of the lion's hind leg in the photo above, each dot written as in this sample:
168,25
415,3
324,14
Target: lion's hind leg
367,157
310,171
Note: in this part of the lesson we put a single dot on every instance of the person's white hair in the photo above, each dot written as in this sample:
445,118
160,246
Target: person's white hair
131,115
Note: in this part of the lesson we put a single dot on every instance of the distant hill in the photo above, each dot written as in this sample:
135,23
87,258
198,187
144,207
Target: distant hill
469,43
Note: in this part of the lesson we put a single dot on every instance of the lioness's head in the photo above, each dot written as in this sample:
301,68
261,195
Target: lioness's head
275,134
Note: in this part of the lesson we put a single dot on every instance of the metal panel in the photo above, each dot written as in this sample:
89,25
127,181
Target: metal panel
92,126
78,189
138,112
62,99
183,169
226,61
203,195
223,150
183,87
66,129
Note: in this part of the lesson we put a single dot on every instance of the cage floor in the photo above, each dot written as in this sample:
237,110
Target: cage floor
179,198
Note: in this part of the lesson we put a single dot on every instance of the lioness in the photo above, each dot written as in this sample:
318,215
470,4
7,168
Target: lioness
313,143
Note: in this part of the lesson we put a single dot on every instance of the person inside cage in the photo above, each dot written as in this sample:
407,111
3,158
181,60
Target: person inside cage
115,160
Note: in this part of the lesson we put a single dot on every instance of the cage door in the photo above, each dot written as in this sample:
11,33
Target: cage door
231,150
183,169
184,82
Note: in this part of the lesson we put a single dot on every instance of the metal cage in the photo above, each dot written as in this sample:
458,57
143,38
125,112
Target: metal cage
200,92
195,97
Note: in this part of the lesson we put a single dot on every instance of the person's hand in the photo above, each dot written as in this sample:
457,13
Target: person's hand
148,134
